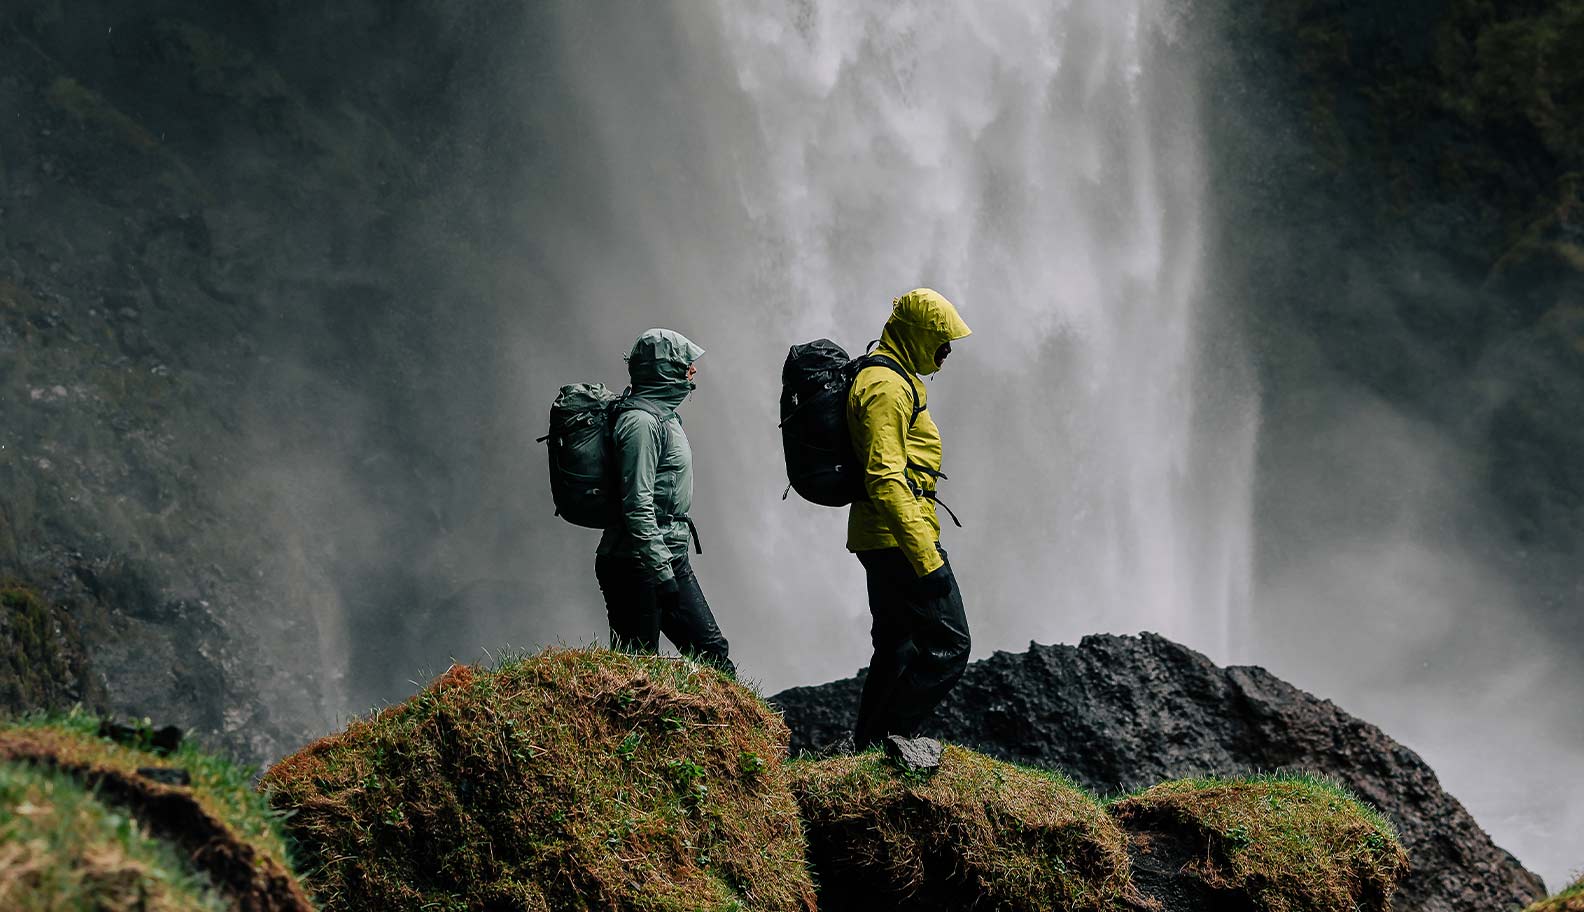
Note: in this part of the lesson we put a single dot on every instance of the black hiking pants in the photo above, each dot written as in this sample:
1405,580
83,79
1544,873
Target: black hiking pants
639,613
920,649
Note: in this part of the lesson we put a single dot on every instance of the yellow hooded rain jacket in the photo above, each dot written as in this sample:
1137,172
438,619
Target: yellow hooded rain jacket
899,460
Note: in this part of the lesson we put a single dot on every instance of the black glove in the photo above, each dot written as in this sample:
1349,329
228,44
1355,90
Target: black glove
937,584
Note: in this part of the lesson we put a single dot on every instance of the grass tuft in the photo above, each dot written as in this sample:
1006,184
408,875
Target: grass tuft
62,849
977,833
572,779
1291,842
1569,900
82,828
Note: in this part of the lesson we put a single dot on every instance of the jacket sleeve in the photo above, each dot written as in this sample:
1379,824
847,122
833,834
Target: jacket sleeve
882,409
637,439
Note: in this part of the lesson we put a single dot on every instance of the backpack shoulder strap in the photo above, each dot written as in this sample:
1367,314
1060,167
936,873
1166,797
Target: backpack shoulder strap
628,402
874,360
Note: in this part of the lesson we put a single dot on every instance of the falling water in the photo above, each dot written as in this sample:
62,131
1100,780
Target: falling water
763,173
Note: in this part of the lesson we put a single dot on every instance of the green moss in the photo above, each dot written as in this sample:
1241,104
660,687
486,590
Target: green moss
1569,900
1528,71
74,849
14,296
62,849
572,779
1292,843
1479,99
222,787
976,833
43,663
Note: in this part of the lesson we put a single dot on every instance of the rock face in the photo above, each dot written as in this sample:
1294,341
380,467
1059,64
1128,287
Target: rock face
1118,713
1399,222
220,289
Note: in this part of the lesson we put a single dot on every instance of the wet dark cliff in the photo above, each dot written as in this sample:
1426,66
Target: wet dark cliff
1400,218
230,236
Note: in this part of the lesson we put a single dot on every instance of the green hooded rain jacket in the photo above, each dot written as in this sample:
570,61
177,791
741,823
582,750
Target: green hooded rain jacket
900,463
655,469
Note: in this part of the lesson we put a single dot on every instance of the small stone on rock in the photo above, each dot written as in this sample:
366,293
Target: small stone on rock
918,755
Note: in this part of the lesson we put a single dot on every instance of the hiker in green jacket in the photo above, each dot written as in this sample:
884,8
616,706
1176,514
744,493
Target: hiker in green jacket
642,562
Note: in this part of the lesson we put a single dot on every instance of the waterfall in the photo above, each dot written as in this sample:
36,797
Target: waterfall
758,174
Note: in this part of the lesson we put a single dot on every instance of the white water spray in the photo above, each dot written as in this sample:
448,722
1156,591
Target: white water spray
777,173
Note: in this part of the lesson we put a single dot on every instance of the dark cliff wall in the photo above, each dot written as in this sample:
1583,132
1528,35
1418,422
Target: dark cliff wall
236,314
1400,192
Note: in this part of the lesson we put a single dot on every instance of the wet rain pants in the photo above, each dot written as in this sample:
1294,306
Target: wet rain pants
639,612
921,648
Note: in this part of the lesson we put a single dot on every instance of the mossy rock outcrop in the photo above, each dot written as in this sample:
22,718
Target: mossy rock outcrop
1287,843
571,780
977,833
43,660
87,823
1569,900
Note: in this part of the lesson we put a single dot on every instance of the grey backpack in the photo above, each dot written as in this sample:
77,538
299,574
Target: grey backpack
583,480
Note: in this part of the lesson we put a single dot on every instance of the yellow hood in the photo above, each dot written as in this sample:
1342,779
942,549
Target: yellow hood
921,321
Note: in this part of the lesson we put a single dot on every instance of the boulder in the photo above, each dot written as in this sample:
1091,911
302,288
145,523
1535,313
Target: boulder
1119,713
1272,843
572,779
974,834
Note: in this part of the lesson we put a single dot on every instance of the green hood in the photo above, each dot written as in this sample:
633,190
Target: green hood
921,321
658,363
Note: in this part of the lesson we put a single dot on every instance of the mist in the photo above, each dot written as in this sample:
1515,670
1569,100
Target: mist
756,175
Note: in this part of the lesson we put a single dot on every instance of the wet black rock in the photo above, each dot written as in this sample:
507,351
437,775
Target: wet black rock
162,741
1118,713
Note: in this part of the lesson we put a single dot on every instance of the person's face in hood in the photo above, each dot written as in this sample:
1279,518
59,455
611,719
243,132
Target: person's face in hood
661,364
922,327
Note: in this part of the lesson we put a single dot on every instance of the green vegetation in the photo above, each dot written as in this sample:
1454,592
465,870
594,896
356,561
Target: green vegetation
82,828
62,849
1569,900
43,664
1488,79
977,833
573,779
1290,842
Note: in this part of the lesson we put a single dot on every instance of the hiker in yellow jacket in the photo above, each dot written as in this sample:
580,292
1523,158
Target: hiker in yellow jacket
920,632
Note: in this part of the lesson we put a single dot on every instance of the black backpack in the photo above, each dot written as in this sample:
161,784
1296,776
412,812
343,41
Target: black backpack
822,465
582,465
